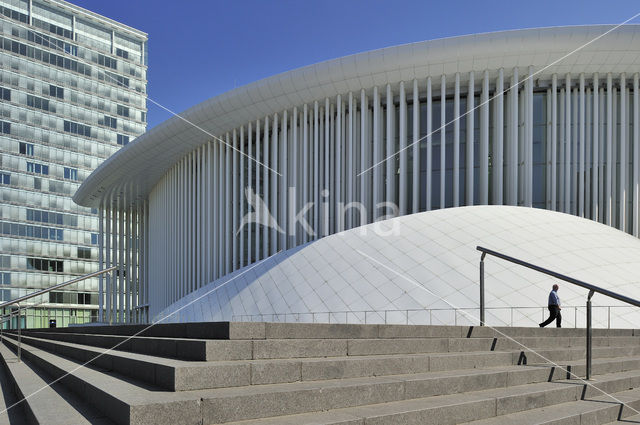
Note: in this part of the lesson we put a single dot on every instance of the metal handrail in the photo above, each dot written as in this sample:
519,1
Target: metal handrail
389,316
592,290
18,300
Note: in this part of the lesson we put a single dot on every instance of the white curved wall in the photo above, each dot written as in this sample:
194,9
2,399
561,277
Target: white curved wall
429,261
368,129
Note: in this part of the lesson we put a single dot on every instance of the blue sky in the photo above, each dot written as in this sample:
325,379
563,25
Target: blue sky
201,48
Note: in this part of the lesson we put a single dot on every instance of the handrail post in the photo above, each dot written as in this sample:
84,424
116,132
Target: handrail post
589,334
484,254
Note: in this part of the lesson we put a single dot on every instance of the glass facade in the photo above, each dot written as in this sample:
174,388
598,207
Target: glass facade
72,92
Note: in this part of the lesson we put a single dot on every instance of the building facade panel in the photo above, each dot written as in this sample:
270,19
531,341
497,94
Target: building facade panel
73,88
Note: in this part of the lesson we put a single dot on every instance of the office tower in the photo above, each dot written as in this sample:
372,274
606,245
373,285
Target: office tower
73,91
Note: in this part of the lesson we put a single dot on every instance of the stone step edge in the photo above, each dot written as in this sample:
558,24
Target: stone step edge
186,376
33,407
203,394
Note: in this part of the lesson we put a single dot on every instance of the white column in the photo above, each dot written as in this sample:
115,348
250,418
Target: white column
415,187
456,139
443,150
284,180
306,172
588,152
567,145
239,192
327,166
106,239
404,160
512,166
218,207
293,181
275,181
470,163
251,161
316,176
498,146
581,186
338,165
121,269
266,187
561,163
377,154
609,174
529,141
554,142
429,181
622,199
574,151
548,162
484,141
365,148
602,152
351,158
101,264
390,157
127,266
636,153
230,212
259,168
595,181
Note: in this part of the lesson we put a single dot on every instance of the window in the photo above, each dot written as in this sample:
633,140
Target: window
122,53
94,239
34,167
5,94
45,265
5,278
55,91
110,121
26,148
122,139
6,127
5,178
75,128
55,297
107,61
84,252
123,111
5,262
70,173
15,229
38,103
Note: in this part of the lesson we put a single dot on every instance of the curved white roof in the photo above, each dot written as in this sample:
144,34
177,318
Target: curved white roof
431,262
135,169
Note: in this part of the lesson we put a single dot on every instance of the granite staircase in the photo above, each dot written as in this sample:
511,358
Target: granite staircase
276,373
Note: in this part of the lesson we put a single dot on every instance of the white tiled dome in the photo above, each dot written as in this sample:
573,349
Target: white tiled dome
429,261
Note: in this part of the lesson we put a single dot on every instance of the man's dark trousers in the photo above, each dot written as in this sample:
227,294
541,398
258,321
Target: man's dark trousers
554,313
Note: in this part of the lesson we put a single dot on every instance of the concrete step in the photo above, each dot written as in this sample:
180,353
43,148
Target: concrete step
178,348
494,406
618,407
128,402
179,375
192,349
261,330
41,402
11,411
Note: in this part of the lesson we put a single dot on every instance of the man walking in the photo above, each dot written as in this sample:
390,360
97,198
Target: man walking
554,309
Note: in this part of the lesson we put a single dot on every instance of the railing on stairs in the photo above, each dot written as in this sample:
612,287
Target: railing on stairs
592,290
18,300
